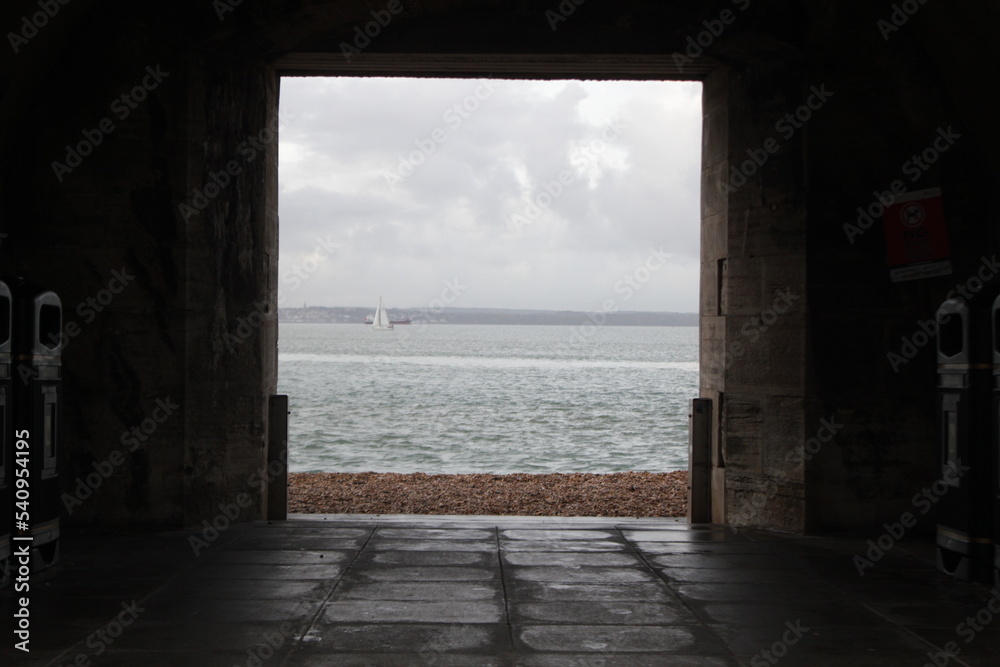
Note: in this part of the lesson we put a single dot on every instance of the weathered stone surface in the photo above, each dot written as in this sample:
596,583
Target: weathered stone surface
716,607
178,330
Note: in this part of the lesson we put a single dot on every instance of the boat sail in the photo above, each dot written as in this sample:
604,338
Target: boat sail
381,320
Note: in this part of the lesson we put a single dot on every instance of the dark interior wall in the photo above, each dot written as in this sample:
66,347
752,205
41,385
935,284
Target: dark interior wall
231,289
194,329
95,223
154,294
712,284
821,377
893,98
762,301
170,195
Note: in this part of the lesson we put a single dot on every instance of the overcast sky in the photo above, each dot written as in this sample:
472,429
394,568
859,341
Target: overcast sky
418,184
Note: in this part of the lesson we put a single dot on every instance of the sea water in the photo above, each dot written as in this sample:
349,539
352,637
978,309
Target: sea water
487,398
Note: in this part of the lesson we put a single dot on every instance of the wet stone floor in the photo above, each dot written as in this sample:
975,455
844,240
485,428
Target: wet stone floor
497,591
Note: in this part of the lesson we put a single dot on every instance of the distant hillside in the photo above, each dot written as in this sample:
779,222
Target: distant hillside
489,316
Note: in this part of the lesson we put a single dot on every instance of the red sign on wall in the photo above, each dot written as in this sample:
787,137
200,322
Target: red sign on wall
916,235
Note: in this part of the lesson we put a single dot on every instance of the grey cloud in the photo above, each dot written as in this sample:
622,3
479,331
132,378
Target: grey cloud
451,217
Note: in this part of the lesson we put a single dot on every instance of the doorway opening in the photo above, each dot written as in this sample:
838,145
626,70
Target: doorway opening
536,244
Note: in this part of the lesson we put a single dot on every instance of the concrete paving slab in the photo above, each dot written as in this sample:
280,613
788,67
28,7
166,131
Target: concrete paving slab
901,658
972,641
788,592
904,591
232,611
160,658
37,658
436,534
683,575
714,560
248,589
418,590
845,571
143,565
570,559
649,535
558,592
220,635
534,597
129,554
49,637
420,573
285,557
306,534
829,612
399,660
415,611
299,529
437,558
928,615
576,574
558,534
427,640
562,545
818,641
599,613
104,588
258,543
48,608
681,547
611,639
263,571
975,660
380,544
628,660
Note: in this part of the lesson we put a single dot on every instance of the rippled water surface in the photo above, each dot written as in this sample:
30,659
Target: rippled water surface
494,399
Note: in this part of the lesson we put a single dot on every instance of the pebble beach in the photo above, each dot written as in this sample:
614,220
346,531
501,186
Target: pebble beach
625,494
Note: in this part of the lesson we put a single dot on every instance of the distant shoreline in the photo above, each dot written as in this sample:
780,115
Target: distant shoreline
356,315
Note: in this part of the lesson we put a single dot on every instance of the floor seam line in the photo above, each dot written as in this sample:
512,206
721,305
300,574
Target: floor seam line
503,589
659,574
322,604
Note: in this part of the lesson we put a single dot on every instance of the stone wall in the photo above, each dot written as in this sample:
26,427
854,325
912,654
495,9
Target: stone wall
153,294
898,90
797,321
754,302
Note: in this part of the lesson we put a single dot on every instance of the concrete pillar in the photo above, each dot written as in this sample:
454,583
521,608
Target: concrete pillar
753,293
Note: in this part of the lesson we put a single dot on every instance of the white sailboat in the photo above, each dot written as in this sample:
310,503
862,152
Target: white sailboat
381,320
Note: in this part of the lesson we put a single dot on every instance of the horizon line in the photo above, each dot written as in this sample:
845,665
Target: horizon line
538,310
